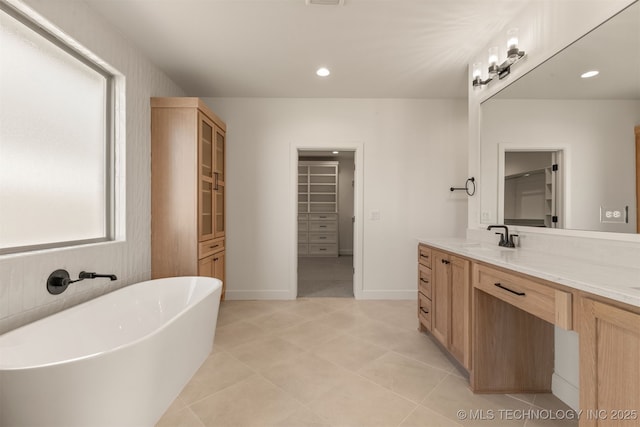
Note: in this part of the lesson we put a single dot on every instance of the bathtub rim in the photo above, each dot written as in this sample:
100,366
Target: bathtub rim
163,326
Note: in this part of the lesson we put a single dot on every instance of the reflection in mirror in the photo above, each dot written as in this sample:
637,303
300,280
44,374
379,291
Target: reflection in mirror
532,194
591,121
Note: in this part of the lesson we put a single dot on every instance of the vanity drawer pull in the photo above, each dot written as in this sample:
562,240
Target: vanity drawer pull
521,294
423,280
424,311
444,261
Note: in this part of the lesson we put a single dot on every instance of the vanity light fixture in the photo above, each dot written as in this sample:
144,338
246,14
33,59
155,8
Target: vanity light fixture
590,74
514,54
323,72
334,152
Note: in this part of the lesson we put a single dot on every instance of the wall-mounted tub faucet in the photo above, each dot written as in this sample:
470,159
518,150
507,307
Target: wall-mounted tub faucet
505,240
59,280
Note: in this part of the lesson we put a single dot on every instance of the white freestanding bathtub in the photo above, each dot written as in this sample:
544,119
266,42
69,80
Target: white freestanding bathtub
118,360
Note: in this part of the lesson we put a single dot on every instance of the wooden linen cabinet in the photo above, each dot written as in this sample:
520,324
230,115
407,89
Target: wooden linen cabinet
187,189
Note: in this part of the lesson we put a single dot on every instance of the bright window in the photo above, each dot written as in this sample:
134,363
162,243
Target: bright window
55,141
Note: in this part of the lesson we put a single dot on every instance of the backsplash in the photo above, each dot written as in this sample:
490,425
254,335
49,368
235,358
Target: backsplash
596,251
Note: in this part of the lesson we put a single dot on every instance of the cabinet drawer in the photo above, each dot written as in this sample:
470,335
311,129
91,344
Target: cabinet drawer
424,280
303,237
210,247
319,226
323,217
330,249
303,226
424,310
303,217
323,238
537,298
303,249
424,256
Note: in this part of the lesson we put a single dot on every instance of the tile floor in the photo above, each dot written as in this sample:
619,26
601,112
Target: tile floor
325,277
336,362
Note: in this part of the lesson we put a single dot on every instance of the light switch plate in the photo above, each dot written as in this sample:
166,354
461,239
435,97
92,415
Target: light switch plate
609,214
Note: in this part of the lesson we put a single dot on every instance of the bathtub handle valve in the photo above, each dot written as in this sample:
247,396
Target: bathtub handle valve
59,280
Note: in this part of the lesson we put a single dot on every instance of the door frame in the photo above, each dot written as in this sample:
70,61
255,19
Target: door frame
358,209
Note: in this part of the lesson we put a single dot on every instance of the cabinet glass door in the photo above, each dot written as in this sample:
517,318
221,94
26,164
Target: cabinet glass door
206,181
219,155
219,210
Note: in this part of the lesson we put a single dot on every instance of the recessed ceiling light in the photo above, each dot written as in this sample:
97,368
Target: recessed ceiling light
588,74
323,72
334,152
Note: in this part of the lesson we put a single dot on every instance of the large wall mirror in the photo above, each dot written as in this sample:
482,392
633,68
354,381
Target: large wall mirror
559,150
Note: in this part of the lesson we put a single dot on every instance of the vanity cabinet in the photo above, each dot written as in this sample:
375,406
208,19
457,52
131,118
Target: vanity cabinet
187,189
449,300
609,364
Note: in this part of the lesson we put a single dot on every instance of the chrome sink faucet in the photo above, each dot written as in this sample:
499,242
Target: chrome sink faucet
506,240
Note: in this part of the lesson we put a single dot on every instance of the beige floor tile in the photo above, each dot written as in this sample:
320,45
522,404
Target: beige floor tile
336,304
549,401
253,309
359,402
252,402
343,320
349,352
381,334
405,320
420,347
306,376
228,316
453,395
219,371
235,334
409,378
303,417
309,309
265,352
181,418
277,321
424,417
308,334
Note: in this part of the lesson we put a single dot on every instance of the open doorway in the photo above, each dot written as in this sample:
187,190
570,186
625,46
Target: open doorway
325,241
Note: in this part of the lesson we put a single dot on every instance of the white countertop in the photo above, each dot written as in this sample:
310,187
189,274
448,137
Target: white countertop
617,283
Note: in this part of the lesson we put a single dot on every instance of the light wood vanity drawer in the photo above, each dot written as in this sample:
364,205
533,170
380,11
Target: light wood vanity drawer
424,256
424,310
424,280
323,217
322,226
210,247
537,298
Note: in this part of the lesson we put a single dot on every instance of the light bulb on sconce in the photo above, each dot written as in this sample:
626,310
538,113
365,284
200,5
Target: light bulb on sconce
514,54
512,44
493,61
476,74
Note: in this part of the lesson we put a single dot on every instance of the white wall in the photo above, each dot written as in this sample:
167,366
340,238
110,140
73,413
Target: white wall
414,150
23,294
599,158
545,28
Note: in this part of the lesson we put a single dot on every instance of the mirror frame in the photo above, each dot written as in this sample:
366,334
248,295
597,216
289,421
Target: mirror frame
475,113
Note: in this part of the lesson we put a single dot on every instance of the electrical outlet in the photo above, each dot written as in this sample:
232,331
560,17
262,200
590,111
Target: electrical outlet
614,215
486,216
374,215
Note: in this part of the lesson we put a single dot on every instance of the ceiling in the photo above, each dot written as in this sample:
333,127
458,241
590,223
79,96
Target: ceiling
271,48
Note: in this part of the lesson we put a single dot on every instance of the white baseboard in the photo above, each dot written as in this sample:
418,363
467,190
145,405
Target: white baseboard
565,391
258,295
